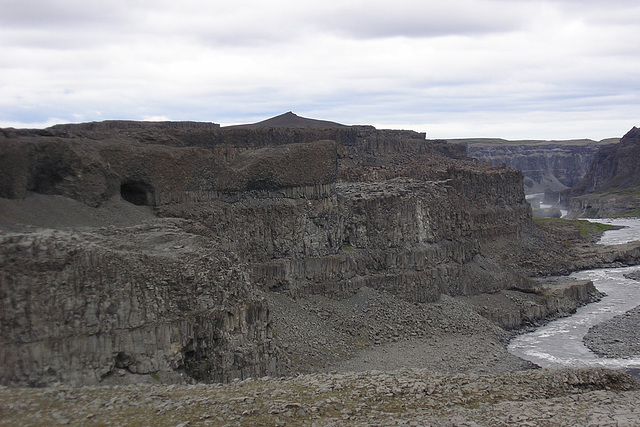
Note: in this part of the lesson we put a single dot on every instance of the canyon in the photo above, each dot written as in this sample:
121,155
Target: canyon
612,185
183,252
592,179
546,165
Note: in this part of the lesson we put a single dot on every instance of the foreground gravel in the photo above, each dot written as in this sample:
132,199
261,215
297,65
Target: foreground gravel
407,397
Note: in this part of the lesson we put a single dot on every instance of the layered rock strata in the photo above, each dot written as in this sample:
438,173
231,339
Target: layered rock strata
546,165
612,185
513,309
241,214
87,306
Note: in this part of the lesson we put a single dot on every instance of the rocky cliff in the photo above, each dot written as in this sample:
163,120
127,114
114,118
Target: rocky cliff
173,238
546,165
102,305
612,185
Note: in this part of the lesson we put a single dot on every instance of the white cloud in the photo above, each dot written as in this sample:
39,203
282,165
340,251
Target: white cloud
500,66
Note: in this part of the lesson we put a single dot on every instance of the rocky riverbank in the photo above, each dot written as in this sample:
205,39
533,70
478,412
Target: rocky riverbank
411,397
617,337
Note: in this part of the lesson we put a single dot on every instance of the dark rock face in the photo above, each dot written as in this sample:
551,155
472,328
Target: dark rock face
612,185
546,165
511,309
155,174
616,166
86,307
240,213
119,125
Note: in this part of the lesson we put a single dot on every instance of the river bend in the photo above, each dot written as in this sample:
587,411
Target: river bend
559,343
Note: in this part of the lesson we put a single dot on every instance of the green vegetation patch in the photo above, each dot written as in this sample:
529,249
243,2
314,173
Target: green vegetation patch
348,249
630,214
576,229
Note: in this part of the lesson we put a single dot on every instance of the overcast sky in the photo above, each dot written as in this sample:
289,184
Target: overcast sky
514,69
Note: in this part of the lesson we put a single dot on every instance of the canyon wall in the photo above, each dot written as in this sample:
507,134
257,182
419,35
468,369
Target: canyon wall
110,304
612,185
239,213
546,165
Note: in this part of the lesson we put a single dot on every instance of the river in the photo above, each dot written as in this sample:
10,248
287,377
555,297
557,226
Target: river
559,343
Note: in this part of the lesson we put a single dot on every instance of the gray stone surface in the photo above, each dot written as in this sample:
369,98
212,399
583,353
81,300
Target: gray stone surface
183,254
120,304
611,187
406,397
617,337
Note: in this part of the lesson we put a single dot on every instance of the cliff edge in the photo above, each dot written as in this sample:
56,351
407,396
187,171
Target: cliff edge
140,253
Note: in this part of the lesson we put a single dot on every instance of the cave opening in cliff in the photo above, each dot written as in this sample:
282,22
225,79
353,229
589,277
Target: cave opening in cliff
137,192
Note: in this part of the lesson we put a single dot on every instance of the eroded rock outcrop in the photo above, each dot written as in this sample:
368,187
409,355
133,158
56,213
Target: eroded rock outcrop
514,309
238,214
93,171
112,304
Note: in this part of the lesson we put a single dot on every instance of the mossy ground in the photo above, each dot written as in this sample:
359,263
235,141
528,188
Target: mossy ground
573,231
631,214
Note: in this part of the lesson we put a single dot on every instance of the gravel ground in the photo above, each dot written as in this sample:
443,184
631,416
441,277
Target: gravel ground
617,337
61,212
376,330
594,397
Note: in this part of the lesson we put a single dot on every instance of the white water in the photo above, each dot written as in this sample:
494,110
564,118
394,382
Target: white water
540,196
630,233
559,343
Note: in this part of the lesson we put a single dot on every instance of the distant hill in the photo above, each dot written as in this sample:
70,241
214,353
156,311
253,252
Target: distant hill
483,142
110,125
289,120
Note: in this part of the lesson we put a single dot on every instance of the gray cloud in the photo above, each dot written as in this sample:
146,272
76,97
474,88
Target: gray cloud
62,14
404,18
